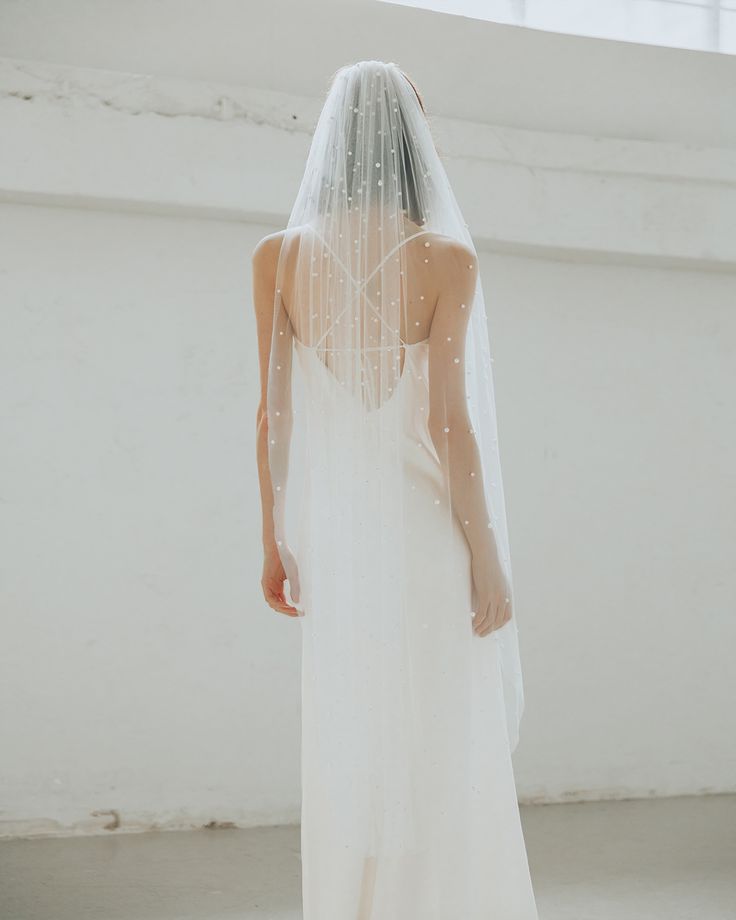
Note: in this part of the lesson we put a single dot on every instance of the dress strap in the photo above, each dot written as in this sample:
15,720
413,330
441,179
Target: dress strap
395,249
358,286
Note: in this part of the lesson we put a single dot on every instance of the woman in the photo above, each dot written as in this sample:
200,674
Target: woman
393,536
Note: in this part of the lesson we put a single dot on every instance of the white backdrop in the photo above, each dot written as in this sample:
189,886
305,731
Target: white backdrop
141,672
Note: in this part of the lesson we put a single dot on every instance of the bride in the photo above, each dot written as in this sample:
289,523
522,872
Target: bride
384,527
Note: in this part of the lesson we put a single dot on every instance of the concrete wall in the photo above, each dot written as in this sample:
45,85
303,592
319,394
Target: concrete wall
141,673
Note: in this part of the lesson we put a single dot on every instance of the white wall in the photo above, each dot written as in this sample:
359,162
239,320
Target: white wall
617,402
141,672
479,71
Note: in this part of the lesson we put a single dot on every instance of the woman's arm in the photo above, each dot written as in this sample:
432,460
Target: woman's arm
264,261
451,431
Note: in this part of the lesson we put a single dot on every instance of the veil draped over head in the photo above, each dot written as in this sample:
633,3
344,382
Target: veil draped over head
348,399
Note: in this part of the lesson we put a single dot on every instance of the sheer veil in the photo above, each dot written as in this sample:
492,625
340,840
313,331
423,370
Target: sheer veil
348,390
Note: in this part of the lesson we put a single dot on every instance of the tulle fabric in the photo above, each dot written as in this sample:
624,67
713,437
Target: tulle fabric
409,720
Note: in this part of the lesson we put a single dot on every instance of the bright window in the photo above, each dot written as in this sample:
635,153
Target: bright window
704,25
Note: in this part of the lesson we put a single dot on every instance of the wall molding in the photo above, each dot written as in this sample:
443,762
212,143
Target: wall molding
99,825
80,137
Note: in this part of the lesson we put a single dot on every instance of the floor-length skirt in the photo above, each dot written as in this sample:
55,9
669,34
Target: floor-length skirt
409,807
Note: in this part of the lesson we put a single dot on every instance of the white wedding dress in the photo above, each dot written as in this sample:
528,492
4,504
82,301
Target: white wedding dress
409,808
409,718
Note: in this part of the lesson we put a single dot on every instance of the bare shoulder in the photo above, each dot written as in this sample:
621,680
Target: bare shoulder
281,246
266,253
265,260
455,266
452,254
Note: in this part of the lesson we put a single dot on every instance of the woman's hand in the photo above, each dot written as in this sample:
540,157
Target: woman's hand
491,596
274,575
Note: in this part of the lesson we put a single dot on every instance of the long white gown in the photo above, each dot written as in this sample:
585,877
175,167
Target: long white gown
409,808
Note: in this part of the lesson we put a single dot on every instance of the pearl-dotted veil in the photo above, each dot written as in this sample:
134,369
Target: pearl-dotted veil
373,210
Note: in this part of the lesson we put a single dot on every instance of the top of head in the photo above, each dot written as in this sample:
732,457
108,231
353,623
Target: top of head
358,71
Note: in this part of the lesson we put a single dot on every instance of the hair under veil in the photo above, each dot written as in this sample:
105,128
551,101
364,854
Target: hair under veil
349,344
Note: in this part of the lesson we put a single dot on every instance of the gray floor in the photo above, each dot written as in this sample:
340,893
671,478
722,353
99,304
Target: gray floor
657,859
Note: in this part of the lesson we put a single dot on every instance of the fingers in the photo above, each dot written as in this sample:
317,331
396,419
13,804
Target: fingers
503,614
273,592
497,614
481,619
292,575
